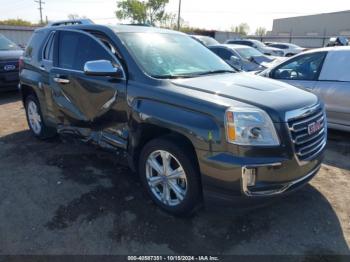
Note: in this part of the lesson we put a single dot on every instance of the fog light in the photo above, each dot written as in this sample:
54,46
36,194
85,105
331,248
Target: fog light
249,175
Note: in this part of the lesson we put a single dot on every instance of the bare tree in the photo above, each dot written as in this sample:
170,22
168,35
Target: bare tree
260,31
242,29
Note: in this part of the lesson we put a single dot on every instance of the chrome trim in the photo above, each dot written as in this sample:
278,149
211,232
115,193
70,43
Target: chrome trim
61,80
323,145
299,114
307,120
284,187
296,141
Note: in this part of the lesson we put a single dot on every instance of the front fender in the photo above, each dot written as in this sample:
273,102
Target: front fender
199,127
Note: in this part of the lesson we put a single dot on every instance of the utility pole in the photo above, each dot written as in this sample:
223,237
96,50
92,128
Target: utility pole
40,2
179,16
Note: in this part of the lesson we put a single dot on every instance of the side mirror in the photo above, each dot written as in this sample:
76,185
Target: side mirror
102,68
236,62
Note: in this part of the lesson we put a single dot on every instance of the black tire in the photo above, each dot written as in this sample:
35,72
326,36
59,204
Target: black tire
45,131
184,155
289,55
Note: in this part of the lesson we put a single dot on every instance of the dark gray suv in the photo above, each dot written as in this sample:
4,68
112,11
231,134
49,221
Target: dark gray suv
192,127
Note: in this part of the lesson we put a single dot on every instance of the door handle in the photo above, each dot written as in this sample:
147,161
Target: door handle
61,80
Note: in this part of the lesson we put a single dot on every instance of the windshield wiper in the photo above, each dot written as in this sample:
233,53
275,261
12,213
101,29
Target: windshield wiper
193,75
170,76
214,72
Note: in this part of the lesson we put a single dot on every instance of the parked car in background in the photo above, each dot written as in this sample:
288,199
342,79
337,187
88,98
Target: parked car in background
287,48
243,57
326,73
205,40
338,41
191,126
9,57
257,45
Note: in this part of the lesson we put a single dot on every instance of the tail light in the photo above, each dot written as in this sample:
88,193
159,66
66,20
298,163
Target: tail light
20,64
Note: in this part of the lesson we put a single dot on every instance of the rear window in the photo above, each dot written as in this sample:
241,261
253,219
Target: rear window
6,44
336,66
32,50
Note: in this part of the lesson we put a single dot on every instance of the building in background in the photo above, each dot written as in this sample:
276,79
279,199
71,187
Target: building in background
311,30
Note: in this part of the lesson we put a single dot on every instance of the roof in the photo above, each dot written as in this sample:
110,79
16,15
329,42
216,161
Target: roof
233,46
116,28
329,49
141,29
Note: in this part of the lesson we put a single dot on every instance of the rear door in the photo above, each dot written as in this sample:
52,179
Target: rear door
334,87
82,100
301,71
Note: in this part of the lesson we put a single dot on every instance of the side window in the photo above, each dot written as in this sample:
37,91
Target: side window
306,67
279,46
225,54
247,43
75,49
215,50
32,50
48,49
336,66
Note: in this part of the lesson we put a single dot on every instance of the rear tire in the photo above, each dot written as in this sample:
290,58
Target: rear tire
170,176
35,119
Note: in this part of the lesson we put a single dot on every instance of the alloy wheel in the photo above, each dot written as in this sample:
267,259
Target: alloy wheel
166,178
34,117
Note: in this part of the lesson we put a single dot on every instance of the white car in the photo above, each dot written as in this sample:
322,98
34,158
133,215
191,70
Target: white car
287,48
266,50
324,72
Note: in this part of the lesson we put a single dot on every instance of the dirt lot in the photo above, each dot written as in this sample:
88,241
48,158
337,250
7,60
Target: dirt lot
67,198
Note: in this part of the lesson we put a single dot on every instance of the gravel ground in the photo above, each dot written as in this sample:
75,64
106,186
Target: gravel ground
69,198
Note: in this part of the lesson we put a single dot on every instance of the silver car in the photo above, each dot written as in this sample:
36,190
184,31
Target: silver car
257,45
326,73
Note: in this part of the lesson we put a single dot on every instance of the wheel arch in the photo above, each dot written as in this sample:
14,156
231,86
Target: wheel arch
147,132
27,90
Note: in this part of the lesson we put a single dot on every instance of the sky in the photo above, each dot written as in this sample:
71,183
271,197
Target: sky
206,14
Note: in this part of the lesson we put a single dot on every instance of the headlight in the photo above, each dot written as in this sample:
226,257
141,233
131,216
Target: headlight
250,126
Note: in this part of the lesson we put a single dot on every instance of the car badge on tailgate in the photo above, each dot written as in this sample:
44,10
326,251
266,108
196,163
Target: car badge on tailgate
314,127
9,67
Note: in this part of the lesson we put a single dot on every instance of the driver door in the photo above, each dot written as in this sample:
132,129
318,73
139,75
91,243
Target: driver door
301,71
82,100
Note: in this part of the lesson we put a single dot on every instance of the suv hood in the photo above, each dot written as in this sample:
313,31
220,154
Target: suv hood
10,54
276,98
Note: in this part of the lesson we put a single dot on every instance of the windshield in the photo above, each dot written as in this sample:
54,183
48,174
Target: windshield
248,52
208,40
172,55
6,44
259,44
293,45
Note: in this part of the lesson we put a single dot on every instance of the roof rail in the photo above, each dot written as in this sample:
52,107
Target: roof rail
72,22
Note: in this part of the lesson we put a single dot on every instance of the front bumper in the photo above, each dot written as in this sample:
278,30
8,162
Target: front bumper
9,81
273,189
225,177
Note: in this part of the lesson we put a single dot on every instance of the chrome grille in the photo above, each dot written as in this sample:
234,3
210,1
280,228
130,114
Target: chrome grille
308,146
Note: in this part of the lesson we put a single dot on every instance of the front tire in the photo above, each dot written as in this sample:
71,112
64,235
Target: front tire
170,176
35,119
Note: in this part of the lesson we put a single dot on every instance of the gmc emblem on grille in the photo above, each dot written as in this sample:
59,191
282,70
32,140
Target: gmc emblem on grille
9,67
314,127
